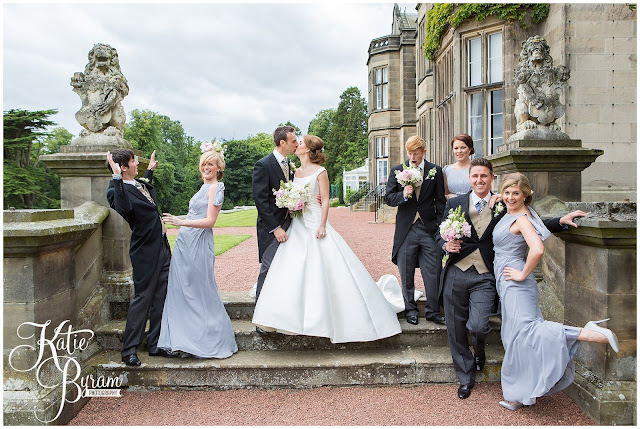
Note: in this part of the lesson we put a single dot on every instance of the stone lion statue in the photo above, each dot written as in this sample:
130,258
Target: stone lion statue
101,88
539,86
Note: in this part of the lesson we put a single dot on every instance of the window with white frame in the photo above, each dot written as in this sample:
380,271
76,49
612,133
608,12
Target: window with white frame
484,91
382,158
381,87
383,170
382,147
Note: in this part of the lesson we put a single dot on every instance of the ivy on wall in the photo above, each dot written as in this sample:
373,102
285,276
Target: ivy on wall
444,15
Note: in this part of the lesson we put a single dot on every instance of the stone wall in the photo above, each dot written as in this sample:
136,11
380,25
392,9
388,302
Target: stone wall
597,42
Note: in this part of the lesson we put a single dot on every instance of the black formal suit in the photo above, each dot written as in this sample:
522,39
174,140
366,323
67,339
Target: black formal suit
470,296
267,174
150,258
413,243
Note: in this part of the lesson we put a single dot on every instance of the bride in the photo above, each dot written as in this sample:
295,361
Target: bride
316,285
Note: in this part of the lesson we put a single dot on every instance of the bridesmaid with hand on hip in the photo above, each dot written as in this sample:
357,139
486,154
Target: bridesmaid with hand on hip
538,357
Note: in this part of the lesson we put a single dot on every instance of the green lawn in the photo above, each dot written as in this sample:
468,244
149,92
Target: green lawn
240,218
223,242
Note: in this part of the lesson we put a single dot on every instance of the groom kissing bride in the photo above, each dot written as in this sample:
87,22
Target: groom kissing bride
310,281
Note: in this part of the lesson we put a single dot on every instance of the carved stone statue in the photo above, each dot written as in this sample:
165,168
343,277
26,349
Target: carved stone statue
101,88
539,86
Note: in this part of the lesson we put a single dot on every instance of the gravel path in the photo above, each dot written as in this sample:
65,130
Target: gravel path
422,405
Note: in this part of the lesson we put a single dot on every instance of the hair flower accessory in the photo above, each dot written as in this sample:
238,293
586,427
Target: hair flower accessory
215,145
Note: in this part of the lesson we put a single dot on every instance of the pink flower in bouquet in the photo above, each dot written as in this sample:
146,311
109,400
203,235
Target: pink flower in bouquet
279,193
466,229
298,206
449,235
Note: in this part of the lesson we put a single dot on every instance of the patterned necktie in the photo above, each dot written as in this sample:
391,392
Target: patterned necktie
480,205
140,187
285,168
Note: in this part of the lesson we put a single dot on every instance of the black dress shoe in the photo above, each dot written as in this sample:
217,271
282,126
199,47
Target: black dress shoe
165,353
413,319
436,318
260,330
131,360
464,391
480,360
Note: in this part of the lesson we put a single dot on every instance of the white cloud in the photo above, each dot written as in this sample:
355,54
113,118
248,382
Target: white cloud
221,69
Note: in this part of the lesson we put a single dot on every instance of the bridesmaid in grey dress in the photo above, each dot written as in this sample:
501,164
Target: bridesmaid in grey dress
456,175
194,320
538,353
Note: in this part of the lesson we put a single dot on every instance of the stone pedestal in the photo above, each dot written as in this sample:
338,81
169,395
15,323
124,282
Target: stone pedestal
82,168
598,261
552,166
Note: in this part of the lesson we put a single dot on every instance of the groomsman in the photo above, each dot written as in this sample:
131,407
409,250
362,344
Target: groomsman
135,200
419,210
469,285
273,221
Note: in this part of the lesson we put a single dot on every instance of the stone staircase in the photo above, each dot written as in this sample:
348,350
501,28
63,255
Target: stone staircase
420,354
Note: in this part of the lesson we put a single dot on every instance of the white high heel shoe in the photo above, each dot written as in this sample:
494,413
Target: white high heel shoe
613,340
510,407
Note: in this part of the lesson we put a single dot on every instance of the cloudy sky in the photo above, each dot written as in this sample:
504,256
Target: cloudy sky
223,70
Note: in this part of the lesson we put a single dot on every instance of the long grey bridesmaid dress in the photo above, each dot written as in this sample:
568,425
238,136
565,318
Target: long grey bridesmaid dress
538,358
194,318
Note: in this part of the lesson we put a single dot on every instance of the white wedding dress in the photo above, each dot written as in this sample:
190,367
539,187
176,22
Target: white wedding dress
319,287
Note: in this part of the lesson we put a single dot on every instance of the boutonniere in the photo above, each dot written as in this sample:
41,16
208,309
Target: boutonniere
292,166
144,179
498,209
431,174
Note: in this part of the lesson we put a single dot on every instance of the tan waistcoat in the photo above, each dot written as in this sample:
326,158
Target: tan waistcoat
480,223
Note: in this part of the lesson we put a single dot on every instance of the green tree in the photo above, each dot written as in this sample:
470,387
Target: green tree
289,124
27,183
347,143
240,157
322,123
59,136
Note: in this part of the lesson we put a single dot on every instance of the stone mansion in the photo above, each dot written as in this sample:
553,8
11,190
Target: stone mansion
468,88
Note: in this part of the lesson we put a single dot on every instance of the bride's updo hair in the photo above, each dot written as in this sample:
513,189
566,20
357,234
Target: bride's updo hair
316,149
521,182
216,158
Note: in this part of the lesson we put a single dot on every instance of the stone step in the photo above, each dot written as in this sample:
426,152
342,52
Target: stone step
300,368
240,305
424,334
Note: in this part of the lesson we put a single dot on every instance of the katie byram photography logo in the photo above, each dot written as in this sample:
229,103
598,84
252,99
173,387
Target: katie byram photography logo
59,348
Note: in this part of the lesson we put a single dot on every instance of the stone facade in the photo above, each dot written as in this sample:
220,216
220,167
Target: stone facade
597,43
395,120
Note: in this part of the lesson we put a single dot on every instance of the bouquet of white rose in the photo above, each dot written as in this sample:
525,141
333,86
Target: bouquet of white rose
454,227
409,176
292,196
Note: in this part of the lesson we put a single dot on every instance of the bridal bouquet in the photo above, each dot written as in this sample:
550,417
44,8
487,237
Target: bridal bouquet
292,196
454,227
409,176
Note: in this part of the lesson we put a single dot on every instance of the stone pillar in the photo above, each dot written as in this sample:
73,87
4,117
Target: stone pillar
600,283
553,167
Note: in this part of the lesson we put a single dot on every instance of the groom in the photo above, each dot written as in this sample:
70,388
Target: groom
273,221
469,285
419,210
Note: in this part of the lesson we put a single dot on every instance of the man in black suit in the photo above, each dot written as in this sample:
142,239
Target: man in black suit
273,221
135,200
419,209
469,285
